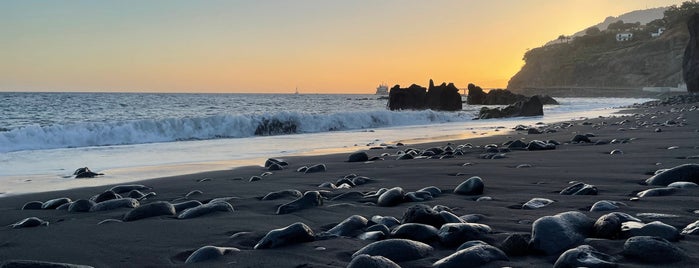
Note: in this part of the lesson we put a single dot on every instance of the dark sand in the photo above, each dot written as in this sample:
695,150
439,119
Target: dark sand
166,241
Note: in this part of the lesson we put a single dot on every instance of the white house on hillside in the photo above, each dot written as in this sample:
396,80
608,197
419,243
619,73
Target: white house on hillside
658,33
620,37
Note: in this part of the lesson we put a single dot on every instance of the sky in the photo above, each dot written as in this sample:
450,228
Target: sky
317,46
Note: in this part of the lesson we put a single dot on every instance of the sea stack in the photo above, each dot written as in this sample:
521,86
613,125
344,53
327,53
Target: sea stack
444,97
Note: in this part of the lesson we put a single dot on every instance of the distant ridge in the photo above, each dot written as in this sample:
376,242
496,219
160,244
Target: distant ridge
643,16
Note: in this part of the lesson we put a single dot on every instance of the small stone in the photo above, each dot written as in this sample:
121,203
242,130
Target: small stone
424,214
29,222
691,229
358,157
536,203
397,250
581,138
416,232
275,167
32,205
616,152
484,198
392,197
604,205
316,168
474,256
657,192
584,256
455,234
472,186
580,188
516,244
683,185
208,253
292,234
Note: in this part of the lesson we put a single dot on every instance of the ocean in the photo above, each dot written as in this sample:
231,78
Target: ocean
44,137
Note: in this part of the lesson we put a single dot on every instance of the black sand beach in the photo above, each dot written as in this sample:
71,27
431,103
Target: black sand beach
653,136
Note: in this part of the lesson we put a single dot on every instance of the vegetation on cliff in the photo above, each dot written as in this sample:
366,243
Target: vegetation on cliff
623,56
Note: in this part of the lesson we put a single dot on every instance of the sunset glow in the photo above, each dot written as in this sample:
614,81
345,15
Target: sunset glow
276,46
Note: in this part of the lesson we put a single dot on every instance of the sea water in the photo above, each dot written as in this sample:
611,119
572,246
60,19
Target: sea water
44,137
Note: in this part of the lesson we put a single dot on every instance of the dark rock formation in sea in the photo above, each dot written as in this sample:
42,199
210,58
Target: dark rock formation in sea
442,98
476,96
530,107
690,62
412,97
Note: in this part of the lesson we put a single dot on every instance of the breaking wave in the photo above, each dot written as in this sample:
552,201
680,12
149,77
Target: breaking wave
87,134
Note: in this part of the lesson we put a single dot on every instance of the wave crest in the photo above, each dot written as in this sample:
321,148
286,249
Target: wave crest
87,134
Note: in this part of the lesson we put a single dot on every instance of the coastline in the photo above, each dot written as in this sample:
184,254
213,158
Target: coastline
123,163
164,241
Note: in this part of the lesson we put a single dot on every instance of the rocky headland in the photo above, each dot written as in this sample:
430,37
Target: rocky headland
604,63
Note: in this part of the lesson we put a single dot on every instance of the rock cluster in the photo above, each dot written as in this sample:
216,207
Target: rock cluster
442,98
476,96
531,107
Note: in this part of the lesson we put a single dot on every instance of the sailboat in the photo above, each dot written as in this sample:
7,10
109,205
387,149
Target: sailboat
297,91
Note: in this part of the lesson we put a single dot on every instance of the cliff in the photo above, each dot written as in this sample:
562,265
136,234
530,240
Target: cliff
598,64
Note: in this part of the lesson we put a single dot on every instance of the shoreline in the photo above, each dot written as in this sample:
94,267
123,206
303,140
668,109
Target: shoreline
210,155
165,241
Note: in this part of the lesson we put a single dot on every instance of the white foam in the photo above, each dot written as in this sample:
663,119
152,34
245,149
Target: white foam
87,134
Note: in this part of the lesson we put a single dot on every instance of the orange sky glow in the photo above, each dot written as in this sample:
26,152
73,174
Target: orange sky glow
275,46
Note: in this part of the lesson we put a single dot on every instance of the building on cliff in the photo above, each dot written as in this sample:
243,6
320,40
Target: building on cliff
657,33
626,36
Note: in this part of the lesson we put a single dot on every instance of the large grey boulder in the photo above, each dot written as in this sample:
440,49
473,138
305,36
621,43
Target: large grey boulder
686,172
656,228
651,249
555,234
